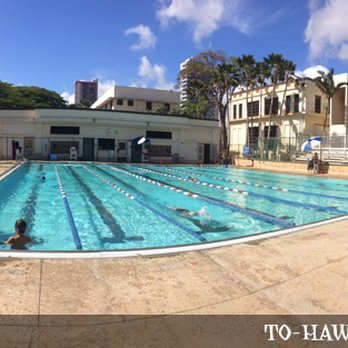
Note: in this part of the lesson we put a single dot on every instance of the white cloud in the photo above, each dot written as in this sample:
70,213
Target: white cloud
312,71
146,38
103,86
70,98
204,17
327,30
153,73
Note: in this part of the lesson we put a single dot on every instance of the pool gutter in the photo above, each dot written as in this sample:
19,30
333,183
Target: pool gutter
159,251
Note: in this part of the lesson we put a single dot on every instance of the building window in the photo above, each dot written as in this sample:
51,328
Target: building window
253,135
273,132
275,106
159,135
148,105
234,112
296,103
65,130
253,108
317,104
287,104
106,144
160,150
240,110
63,147
130,102
119,101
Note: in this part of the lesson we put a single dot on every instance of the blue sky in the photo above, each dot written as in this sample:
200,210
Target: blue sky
51,43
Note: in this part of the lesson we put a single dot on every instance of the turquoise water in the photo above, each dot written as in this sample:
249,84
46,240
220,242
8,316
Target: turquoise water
117,207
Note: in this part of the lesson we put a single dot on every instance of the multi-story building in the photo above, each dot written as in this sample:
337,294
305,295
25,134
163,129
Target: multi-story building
86,92
138,99
298,109
183,84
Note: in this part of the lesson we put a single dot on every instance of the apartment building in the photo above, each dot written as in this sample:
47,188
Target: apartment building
138,99
86,91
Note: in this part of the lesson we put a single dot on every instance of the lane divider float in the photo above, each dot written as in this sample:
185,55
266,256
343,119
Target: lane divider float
73,228
253,213
321,195
252,194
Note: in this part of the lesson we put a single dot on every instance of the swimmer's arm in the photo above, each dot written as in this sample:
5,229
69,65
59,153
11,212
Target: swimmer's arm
8,241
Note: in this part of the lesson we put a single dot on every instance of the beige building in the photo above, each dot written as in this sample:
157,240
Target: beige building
298,109
339,108
107,135
138,99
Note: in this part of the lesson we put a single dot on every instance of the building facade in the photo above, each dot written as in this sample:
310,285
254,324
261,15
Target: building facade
298,109
86,91
138,99
107,135
339,107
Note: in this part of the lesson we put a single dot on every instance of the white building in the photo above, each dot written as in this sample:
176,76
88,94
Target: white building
138,99
107,135
183,84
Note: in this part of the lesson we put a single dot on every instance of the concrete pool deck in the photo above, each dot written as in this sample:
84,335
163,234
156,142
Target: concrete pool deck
301,273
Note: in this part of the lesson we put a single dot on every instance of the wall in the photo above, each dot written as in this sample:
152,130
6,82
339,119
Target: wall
186,133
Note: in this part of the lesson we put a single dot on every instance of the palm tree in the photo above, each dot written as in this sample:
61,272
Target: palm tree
247,69
325,82
275,64
262,74
289,68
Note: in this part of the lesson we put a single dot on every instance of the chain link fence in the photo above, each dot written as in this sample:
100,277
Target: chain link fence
333,148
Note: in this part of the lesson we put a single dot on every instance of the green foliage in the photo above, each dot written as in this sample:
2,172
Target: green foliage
23,97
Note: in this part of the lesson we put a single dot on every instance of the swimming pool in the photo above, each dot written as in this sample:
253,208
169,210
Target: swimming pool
120,207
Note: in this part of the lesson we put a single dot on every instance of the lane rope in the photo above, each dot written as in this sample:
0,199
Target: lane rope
252,194
256,214
73,228
320,195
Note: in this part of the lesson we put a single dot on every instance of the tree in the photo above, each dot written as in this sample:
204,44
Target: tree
275,65
21,97
325,82
247,69
289,70
215,76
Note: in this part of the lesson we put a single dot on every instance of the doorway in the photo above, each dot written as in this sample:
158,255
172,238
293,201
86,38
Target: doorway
88,149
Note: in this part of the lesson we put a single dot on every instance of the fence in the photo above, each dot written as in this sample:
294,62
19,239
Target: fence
35,148
333,148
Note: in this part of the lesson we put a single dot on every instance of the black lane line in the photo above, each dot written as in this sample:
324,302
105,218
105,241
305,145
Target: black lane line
108,219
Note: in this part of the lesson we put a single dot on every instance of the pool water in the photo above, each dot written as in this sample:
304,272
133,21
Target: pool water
118,207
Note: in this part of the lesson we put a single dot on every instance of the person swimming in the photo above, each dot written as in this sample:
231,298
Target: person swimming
18,241
201,212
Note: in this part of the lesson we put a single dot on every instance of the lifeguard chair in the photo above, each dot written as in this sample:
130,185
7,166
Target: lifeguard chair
73,153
